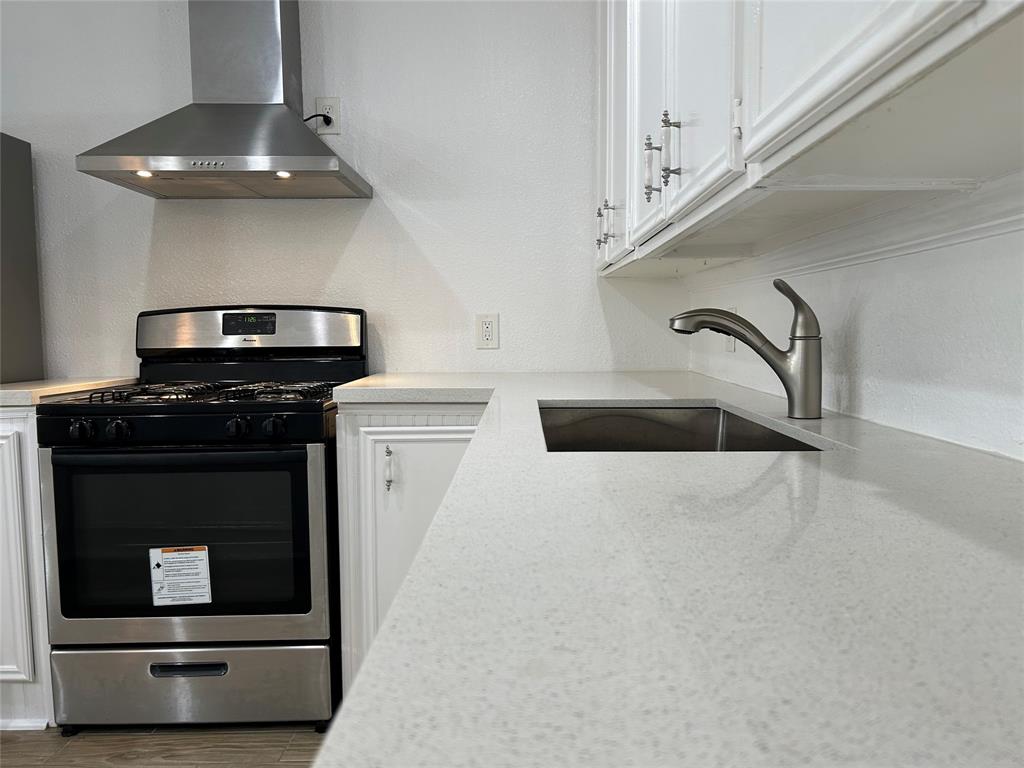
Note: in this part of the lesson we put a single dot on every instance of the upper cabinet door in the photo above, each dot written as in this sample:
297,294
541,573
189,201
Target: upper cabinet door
648,99
701,129
805,58
613,227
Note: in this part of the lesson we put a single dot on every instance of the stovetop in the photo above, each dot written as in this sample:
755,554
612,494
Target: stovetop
204,392
189,413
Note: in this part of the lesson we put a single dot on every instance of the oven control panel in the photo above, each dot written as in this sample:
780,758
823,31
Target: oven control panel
184,429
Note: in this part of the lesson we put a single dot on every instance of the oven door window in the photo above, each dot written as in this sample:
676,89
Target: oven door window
249,508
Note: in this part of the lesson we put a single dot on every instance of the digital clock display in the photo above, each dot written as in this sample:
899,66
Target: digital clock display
249,323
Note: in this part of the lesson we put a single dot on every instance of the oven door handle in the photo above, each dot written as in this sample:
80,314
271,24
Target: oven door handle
189,669
171,459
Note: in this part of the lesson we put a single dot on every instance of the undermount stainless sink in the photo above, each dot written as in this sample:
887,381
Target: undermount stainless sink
645,428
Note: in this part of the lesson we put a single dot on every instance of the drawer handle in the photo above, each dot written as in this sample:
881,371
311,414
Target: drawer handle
189,669
389,473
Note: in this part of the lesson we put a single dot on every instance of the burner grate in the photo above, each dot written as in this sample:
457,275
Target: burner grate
212,392
155,393
275,391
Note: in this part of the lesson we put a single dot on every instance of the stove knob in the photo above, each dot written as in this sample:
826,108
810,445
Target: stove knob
273,427
82,429
118,429
238,427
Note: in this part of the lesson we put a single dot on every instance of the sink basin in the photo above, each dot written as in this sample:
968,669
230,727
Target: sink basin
645,428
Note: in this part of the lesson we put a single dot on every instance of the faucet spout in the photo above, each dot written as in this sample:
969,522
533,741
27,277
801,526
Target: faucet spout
798,367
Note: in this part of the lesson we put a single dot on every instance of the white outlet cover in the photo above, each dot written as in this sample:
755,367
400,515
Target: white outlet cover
486,328
328,105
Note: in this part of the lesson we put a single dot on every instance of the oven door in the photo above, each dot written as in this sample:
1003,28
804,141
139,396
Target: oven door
250,525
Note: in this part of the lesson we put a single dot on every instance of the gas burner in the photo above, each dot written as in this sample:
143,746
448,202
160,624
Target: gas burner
265,391
300,391
155,393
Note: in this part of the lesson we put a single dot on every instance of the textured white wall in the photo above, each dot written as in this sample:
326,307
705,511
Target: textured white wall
931,341
475,122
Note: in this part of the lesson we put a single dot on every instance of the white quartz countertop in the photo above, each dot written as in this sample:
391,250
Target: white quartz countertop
32,392
861,606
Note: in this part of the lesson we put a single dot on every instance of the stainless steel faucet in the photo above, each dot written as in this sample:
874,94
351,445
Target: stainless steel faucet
799,367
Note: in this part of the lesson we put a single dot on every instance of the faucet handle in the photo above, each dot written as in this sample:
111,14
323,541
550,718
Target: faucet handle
805,322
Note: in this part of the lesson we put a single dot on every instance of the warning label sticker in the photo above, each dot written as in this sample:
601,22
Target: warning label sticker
179,575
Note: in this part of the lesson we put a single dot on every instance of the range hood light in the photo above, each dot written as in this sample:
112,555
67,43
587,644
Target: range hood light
143,174
283,175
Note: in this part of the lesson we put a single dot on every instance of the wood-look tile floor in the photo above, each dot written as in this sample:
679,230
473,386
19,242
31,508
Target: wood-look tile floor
242,747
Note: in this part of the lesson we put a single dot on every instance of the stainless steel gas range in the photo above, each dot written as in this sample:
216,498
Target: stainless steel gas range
190,540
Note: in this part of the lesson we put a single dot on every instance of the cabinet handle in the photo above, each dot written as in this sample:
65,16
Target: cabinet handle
604,224
389,474
649,149
667,171
609,230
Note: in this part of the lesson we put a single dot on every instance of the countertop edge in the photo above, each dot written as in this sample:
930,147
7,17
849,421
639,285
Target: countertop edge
29,393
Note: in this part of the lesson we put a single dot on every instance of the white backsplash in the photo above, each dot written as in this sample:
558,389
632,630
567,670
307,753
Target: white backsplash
921,312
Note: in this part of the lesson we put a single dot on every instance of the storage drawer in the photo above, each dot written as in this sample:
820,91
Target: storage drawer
191,685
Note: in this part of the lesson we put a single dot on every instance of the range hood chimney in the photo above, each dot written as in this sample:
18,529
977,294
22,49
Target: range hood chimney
243,135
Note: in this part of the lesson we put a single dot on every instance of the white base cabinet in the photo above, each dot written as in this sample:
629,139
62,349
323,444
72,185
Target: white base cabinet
26,700
395,464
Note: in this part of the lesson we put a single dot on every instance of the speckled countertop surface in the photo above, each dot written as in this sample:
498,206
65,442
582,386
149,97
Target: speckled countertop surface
855,607
31,392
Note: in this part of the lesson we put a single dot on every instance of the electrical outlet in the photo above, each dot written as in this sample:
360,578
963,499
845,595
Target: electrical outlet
486,331
328,105
730,341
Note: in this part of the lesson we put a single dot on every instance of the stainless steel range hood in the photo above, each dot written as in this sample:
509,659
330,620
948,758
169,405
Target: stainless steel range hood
243,137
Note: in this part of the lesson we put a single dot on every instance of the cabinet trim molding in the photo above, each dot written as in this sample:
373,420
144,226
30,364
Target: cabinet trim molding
18,667
991,211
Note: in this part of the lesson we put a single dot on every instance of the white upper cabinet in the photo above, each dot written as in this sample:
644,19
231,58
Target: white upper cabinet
771,120
701,129
649,98
803,59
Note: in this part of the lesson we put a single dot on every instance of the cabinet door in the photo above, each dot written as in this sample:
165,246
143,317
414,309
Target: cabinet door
26,696
16,662
648,34
704,86
417,448
805,58
412,469
614,232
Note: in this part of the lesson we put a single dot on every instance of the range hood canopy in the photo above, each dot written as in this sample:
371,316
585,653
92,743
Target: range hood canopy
243,137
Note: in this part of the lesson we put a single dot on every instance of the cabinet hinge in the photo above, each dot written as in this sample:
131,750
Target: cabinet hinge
737,118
